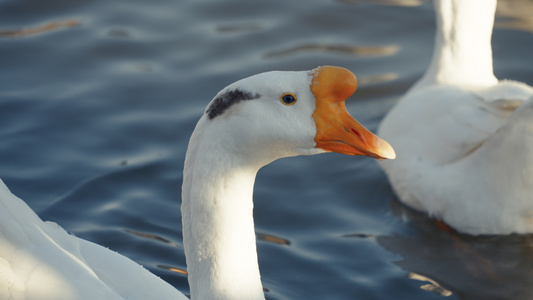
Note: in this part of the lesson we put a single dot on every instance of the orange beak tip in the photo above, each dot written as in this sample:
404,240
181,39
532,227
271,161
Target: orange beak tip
386,151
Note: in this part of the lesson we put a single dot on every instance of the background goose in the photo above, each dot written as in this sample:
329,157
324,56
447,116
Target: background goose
246,126
464,139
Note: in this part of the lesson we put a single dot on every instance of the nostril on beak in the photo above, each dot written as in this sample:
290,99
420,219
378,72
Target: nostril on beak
359,135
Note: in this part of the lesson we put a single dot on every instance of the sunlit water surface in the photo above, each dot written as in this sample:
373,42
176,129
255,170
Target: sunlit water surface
98,100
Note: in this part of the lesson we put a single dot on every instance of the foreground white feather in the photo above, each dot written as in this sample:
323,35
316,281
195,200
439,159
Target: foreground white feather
39,260
249,124
464,139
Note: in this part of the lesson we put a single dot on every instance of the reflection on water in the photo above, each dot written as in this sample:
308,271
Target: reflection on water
484,267
378,78
390,2
516,14
173,269
151,236
431,286
340,49
272,239
237,28
51,26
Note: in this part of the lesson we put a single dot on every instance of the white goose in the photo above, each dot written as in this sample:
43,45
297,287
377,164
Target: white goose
246,126
464,139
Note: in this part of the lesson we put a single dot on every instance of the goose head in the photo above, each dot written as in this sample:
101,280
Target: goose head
249,124
279,114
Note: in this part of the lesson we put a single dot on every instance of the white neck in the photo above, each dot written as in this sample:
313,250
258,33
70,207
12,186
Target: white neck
463,52
218,226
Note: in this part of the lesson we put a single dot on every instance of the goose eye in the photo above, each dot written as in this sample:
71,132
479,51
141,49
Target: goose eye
288,99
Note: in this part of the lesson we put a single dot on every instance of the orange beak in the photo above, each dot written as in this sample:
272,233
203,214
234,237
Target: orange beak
337,131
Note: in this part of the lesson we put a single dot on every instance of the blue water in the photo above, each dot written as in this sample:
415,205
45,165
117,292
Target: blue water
98,100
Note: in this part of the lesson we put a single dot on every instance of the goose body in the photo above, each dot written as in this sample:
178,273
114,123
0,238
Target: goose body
246,126
41,261
464,139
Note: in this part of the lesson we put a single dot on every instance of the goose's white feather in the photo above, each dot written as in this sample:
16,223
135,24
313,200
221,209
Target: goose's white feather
464,140
39,260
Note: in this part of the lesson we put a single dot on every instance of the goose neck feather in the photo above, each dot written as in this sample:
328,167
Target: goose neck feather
462,53
217,216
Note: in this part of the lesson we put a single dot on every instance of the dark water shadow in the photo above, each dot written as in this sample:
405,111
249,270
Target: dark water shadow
482,267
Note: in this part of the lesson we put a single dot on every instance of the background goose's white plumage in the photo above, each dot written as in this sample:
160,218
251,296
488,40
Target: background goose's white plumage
249,124
464,139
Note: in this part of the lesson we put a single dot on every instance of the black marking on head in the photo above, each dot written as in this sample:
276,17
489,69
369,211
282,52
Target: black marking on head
223,102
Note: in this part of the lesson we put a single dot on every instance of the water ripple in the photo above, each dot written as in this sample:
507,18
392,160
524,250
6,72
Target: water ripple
365,51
